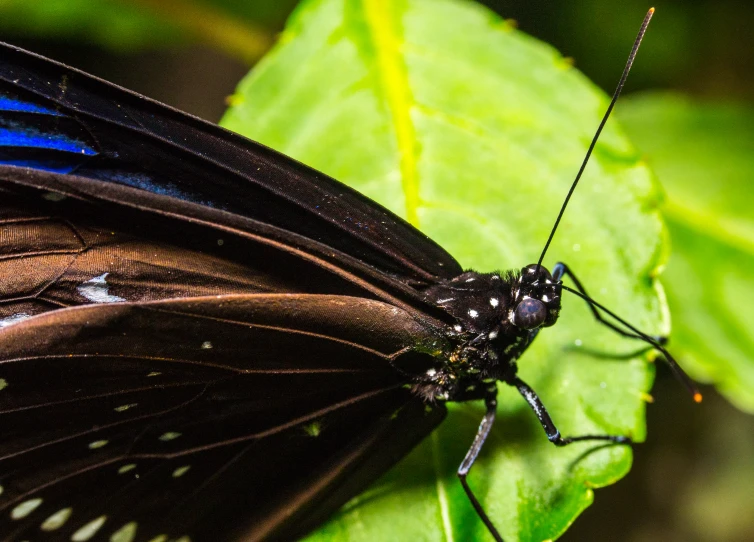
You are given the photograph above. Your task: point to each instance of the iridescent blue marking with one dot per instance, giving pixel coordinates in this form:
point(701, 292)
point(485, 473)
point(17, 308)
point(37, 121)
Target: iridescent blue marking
point(34, 139)
point(147, 183)
point(12, 104)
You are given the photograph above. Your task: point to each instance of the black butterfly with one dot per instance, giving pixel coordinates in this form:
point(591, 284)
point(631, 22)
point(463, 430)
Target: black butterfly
point(203, 338)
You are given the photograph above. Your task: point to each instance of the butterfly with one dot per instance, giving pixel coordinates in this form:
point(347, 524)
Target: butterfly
point(203, 339)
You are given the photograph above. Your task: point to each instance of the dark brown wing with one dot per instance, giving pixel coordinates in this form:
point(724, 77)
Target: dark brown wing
point(67, 240)
point(242, 416)
point(130, 405)
point(56, 118)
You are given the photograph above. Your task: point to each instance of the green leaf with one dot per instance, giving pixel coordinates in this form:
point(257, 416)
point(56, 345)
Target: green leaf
point(125, 25)
point(118, 25)
point(472, 130)
point(702, 153)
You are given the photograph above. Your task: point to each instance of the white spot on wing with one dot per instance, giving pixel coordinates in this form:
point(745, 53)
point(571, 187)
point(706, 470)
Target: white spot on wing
point(3, 383)
point(125, 468)
point(97, 444)
point(96, 290)
point(154, 373)
point(170, 435)
point(494, 301)
point(160, 538)
point(473, 313)
point(313, 429)
point(125, 534)
point(493, 335)
point(123, 408)
point(14, 319)
point(57, 520)
point(89, 530)
point(206, 345)
point(25, 508)
point(54, 196)
point(180, 471)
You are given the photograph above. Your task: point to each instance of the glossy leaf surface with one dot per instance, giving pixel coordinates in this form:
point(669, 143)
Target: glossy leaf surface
point(473, 131)
point(702, 155)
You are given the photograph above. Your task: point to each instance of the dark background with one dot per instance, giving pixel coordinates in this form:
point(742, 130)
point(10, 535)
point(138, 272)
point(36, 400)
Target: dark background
point(704, 48)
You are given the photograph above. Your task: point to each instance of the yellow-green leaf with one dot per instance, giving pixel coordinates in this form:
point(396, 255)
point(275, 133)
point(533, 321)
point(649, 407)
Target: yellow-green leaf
point(473, 131)
point(702, 153)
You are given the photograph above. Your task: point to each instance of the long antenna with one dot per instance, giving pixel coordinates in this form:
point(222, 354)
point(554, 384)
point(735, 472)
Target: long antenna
point(617, 92)
point(679, 373)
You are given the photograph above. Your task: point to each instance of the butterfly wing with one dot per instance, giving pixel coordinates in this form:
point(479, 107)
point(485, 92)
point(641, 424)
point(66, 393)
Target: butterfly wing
point(266, 404)
point(99, 246)
point(243, 416)
point(58, 119)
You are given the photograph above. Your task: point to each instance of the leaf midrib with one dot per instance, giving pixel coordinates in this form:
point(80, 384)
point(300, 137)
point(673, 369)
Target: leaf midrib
point(384, 26)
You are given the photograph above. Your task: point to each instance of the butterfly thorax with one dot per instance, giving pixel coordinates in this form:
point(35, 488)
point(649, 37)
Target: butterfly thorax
point(497, 316)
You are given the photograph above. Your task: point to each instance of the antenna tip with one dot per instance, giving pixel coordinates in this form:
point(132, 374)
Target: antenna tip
point(697, 397)
point(651, 10)
point(647, 398)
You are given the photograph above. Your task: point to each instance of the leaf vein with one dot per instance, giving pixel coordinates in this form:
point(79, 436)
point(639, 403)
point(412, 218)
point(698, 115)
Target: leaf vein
point(385, 32)
point(442, 494)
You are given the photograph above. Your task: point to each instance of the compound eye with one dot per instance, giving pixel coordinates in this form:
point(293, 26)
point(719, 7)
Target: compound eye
point(530, 313)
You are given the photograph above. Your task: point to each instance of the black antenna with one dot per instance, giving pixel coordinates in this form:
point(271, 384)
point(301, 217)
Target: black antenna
point(679, 373)
point(617, 92)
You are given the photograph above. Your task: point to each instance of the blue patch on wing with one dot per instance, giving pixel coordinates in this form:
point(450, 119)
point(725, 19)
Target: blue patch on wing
point(148, 183)
point(8, 103)
point(30, 138)
point(35, 135)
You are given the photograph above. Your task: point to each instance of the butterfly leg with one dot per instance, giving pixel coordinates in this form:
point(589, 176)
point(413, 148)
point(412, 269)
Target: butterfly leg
point(657, 342)
point(610, 355)
point(560, 270)
point(490, 402)
point(553, 434)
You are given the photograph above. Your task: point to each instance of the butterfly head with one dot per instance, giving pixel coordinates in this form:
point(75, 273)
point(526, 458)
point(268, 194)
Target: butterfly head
point(536, 298)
